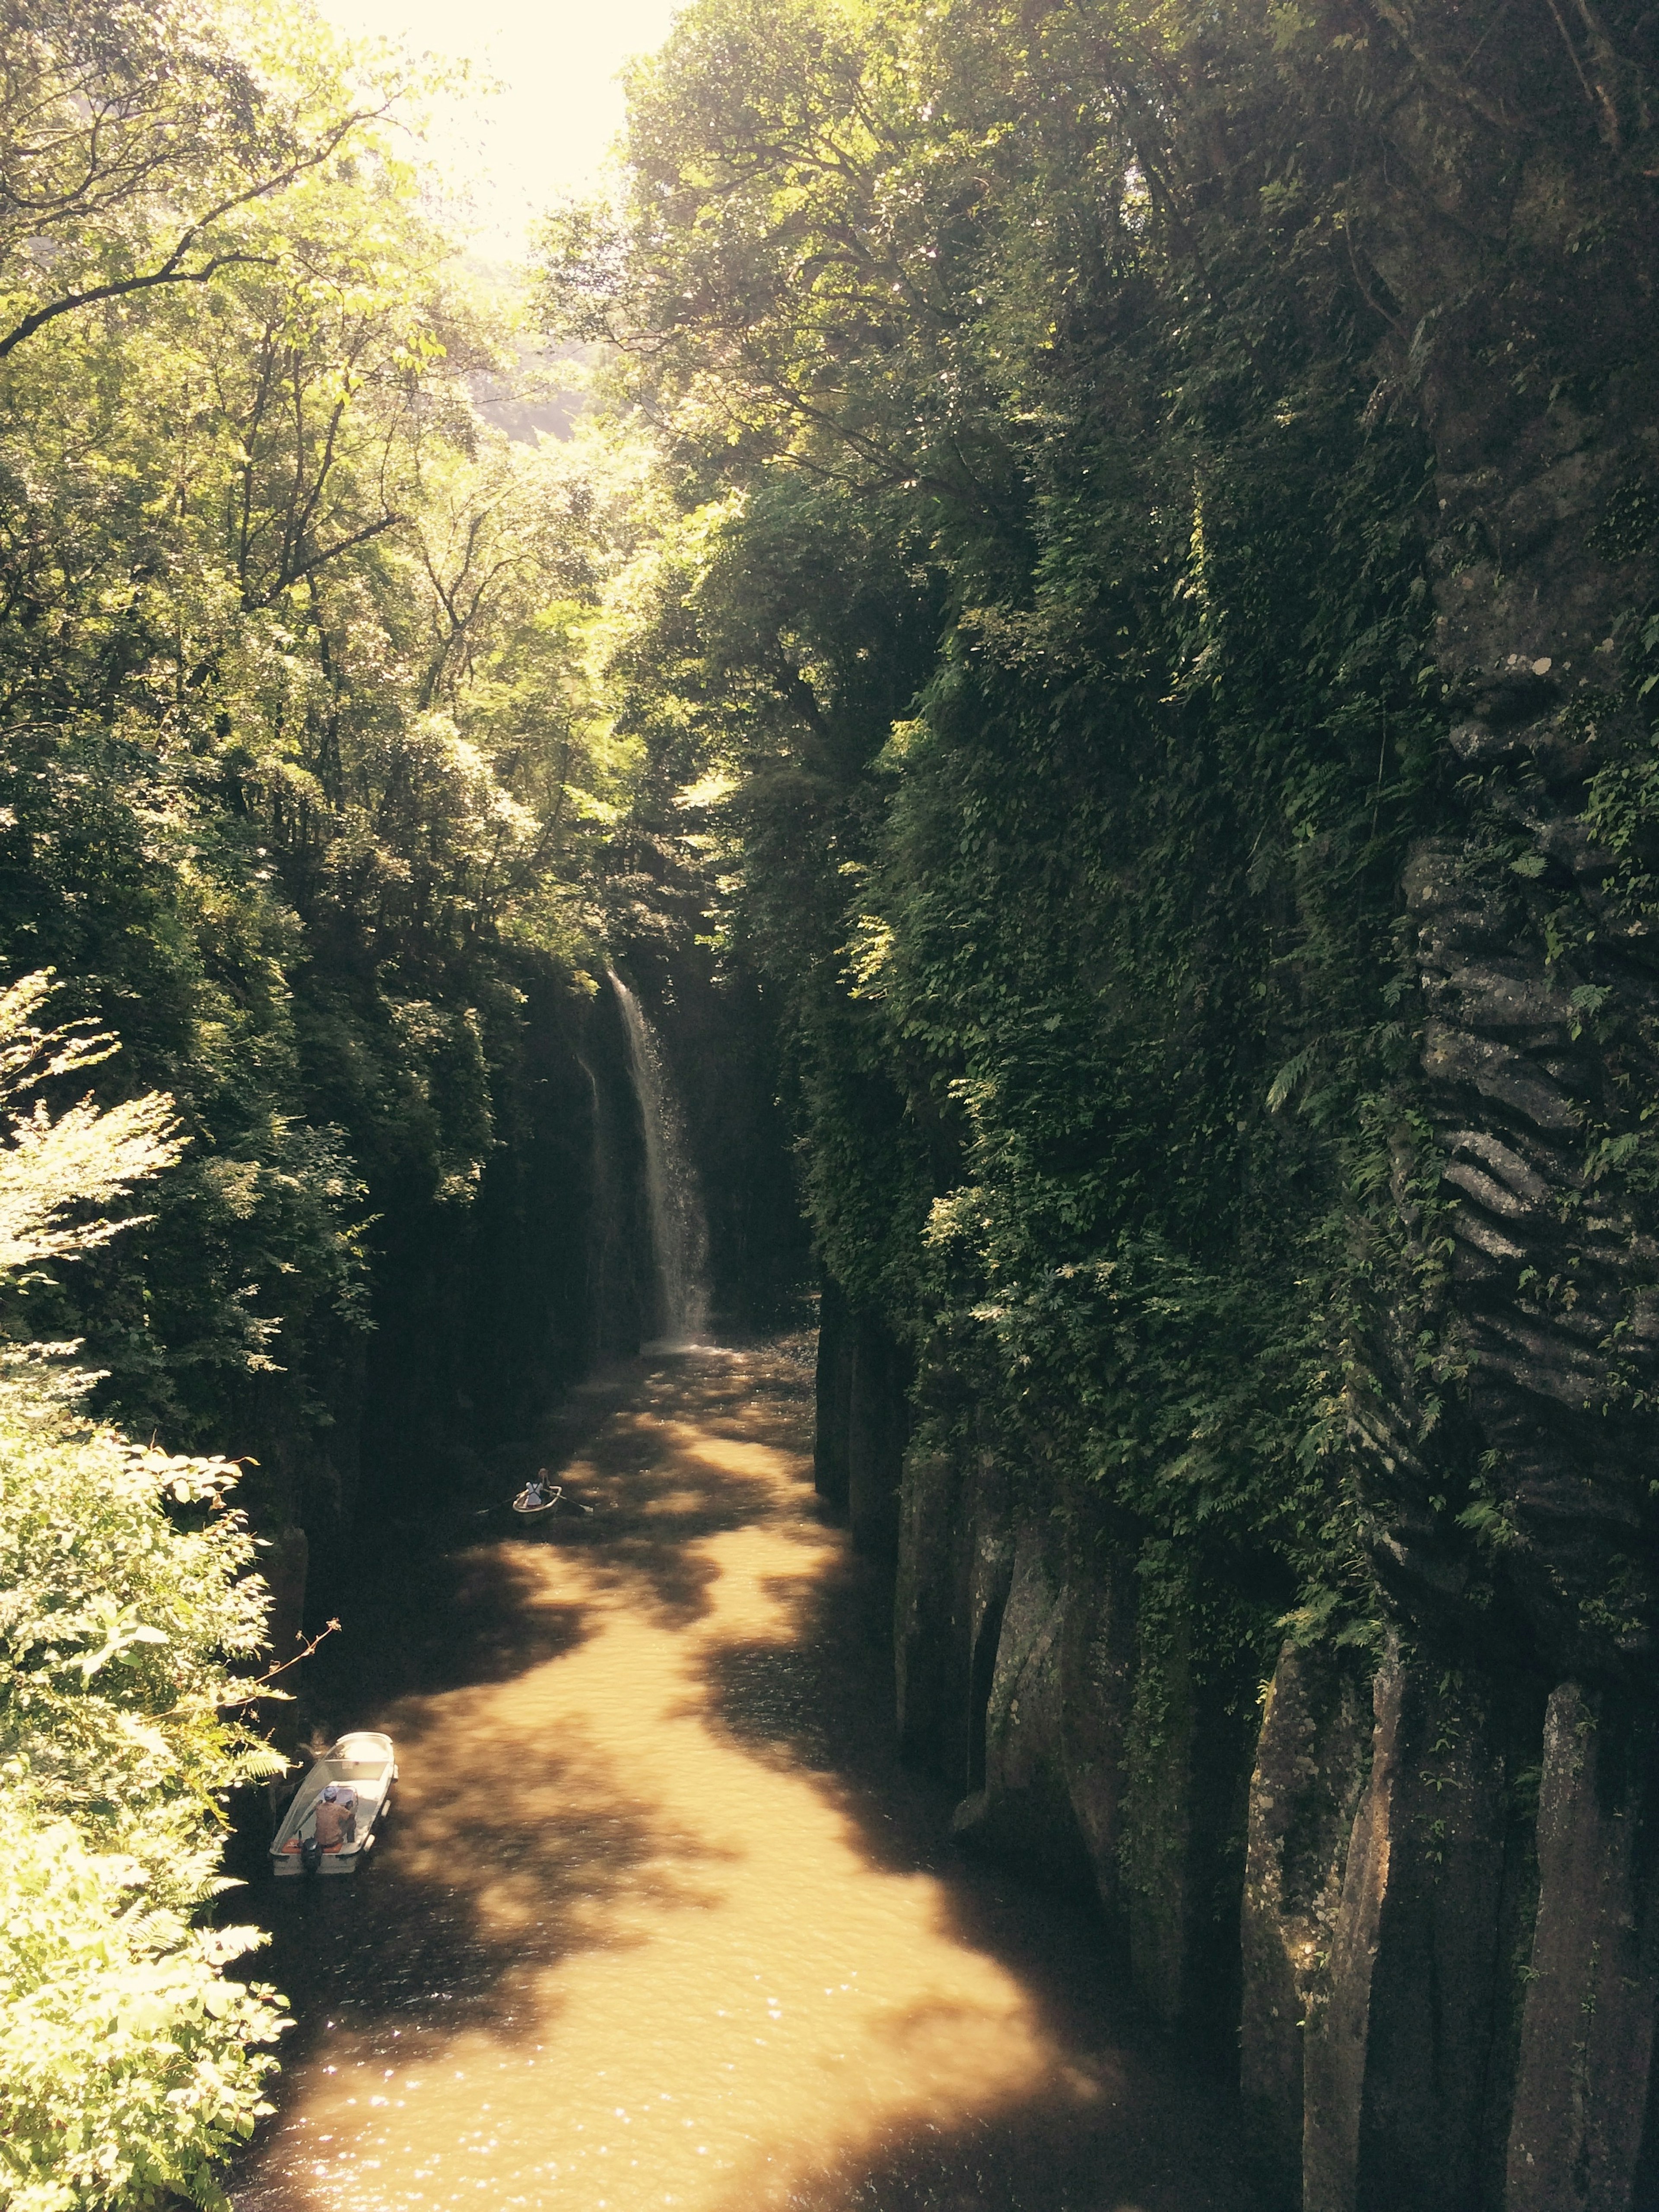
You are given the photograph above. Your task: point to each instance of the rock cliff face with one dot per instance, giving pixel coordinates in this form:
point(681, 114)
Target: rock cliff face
point(484, 1313)
point(1417, 1899)
point(1419, 1892)
point(863, 1420)
point(1526, 341)
point(716, 1034)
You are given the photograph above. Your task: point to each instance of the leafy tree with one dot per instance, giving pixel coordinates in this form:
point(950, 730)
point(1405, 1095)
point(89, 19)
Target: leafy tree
point(140, 141)
point(302, 775)
point(301, 763)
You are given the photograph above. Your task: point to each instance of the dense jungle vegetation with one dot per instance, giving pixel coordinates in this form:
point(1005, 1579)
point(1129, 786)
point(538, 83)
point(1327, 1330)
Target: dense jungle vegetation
point(996, 605)
point(1046, 640)
point(298, 761)
point(1048, 604)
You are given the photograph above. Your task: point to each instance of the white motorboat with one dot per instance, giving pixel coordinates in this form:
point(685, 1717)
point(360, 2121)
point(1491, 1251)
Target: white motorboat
point(365, 1761)
point(527, 1509)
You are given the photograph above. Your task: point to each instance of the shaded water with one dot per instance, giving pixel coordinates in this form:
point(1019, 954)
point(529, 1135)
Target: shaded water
point(657, 1919)
point(679, 1229)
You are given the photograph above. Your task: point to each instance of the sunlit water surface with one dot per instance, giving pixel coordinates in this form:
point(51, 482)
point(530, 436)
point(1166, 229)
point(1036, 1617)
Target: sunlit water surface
point(657, 1919)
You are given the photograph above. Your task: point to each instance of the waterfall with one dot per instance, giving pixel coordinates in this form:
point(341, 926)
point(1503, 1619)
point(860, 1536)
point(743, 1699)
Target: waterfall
point(679, 1229)
point(609, 1259)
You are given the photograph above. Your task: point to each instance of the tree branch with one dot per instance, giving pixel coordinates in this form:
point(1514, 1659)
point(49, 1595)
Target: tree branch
point(123, 289)
point(171, 271)
point(332, 553)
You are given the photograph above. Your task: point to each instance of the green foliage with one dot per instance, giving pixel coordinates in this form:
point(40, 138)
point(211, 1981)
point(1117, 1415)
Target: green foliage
point(120, 1620)
point(124, 2054)
point(55, 1166)
point(301, 769)
point(302, 782)
point(128, 2059)
point(1048, 602)
point(141, 144)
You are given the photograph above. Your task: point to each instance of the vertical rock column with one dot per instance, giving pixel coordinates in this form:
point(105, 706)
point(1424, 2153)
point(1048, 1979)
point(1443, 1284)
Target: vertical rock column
point(956, 1550)
point(834, 1394)
point(863, 1420)
point(1510, 220)
point(1584, 2137)
point(1313, 1762)
point(1405, 2089)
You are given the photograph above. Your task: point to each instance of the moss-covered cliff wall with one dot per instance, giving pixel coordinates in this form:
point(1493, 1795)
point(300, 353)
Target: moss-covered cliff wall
point(1159, 649)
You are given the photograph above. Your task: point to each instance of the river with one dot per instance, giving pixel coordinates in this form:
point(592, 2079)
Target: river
point(659, 1919)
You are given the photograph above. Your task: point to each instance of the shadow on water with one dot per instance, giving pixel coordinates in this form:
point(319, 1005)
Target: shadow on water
point(415, 1621)
point(660, 1913)
point(405, 1947)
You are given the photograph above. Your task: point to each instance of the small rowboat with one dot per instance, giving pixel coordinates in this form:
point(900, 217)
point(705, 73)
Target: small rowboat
point(548, 1499)
point(366, 1761)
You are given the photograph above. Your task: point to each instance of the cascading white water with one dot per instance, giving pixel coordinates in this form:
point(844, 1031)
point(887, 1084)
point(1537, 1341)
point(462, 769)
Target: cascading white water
point(679, 1228)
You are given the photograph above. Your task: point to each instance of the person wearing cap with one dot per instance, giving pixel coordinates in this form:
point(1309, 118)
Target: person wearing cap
point(335, 1823)
point(346, 1798)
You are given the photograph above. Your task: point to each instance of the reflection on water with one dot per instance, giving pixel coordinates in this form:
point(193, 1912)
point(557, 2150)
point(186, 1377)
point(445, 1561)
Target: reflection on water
point(657, 1921)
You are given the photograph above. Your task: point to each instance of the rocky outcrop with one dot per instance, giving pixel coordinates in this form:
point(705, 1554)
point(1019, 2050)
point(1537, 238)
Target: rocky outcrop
point(485, 1312)
point(716, 1030)
point(1407, 2062)
point(1084, 1750)
point(1019, 1771)
point(955, 1567)
point(1442, 1959)
point(1481, 2033)
point(833, 1390)
point(1313, 1761)
point(1522, 265)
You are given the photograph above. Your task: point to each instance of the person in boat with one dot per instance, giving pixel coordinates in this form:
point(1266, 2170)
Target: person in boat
point(334, 1824)
point(347, 1800)
point(534, 1491)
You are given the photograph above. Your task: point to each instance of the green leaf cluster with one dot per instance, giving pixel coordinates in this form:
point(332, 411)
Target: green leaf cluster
point(129, 1615)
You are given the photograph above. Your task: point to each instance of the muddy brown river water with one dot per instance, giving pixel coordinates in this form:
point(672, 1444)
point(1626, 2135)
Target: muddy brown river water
point(658, 1918)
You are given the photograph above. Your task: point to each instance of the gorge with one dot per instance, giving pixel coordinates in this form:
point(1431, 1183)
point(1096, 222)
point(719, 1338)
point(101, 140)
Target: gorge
point(1055, 789)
